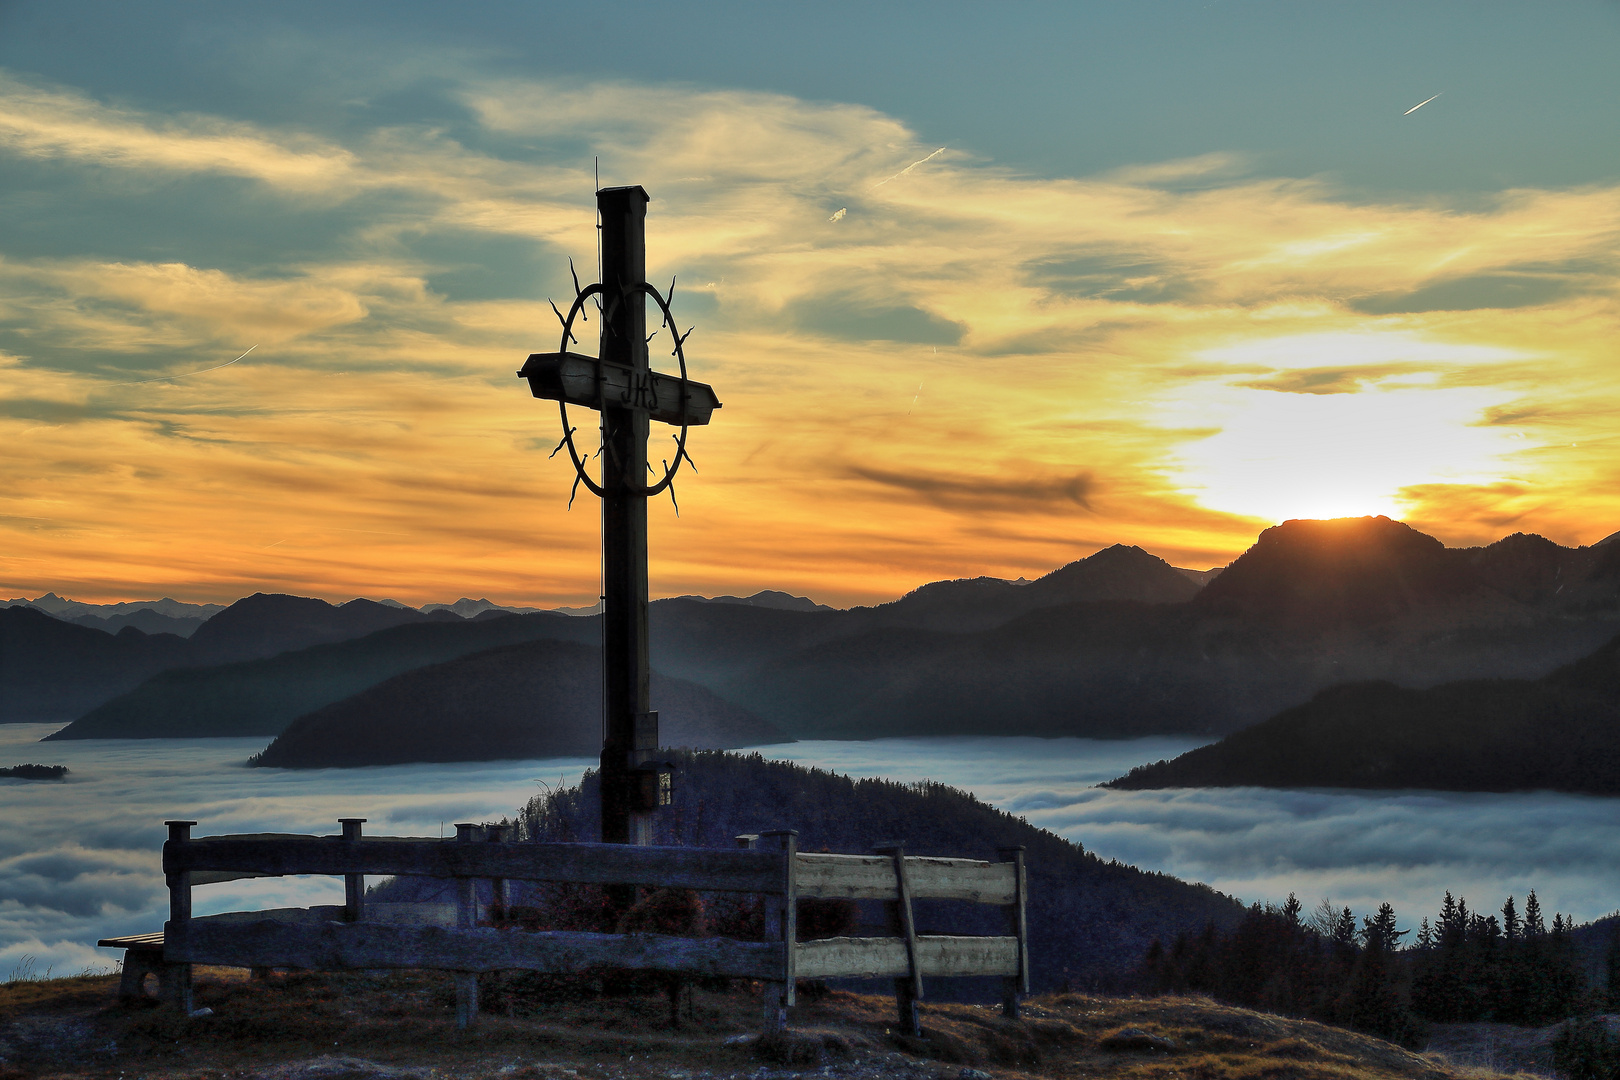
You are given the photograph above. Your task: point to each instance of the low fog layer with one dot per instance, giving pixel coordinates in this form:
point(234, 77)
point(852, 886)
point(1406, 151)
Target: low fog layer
point(1359, 848)
point(80, 861)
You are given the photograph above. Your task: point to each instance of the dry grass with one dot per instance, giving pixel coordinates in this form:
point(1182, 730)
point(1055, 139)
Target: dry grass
point(401, 1027)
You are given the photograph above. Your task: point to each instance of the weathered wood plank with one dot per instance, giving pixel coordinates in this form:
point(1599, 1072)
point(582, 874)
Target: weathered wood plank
point(668, 867)
point(340, 946)
point(216, 877)
point(831, 958)
point(871, 877)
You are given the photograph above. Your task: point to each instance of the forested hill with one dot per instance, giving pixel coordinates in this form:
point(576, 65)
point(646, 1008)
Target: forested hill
point(535, 699)
point(1090, 920)
point(261, 697)
point(1557, 733)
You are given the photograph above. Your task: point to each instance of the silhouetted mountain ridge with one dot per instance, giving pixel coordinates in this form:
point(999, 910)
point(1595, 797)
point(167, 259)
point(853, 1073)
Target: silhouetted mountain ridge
point(1348, 570)
point(51, 669)
point(1100, 647)
point(1560, 732)
point(531, 700)
point(261, 697)
point(267, 624)
point(967, 604)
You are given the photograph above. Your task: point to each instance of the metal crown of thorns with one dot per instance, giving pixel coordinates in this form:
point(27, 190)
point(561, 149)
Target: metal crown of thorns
point(679, 352)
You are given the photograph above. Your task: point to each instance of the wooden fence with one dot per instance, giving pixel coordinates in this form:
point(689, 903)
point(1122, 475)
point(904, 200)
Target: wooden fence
point(770, 865)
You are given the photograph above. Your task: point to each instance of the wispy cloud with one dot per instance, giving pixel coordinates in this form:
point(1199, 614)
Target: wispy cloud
point(999, 493)
point(1225, 348)
point(63, 124)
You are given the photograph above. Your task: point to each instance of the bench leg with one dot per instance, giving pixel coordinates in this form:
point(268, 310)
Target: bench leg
point(174, 981)
point(773, 1007)
point(1010, 986)
point(138, 964)
point(466, 998)
point(905, 1007)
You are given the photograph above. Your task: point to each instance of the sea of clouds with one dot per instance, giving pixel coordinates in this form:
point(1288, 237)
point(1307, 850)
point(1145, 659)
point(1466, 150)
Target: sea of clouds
point(79, 859)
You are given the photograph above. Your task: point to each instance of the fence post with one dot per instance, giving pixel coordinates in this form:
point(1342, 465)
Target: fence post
point(499, 899)
point(1017, 924)
point(909, 990)
point(782, 924)
point(174, 980)
point(466, 919)
point(354, 885)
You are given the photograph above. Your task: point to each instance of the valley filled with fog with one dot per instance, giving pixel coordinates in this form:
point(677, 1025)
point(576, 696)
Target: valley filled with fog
point(81, 859)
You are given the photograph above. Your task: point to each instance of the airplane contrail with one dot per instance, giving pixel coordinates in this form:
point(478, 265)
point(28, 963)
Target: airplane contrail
point(204, 371)
point(1420, 105)
point(908, 168)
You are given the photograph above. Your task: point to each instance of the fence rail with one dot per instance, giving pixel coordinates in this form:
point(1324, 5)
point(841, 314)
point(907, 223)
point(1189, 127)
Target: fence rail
point(770, 865)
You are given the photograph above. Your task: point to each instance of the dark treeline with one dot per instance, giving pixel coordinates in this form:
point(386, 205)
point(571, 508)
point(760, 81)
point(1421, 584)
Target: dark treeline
point(1378, 978)
point(35, 772)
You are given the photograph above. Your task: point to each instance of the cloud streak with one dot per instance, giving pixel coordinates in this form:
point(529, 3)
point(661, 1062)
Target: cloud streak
point(1226, 349)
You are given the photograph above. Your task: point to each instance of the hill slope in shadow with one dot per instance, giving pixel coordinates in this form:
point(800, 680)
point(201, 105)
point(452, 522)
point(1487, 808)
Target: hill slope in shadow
point(531, 700)
point(261, 697)
point(54, 670)
point(1557, 733)
point(1090, 920)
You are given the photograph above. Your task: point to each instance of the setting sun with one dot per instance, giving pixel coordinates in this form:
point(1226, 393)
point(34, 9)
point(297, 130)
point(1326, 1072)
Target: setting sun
point(1343, 425)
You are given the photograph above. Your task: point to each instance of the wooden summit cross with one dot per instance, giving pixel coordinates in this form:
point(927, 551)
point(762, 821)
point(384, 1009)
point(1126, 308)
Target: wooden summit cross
point(620, 384)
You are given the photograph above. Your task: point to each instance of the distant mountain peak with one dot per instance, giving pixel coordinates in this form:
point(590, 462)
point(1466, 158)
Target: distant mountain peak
point(766, 598)
point(265, 624)
point(1117, 572)
point(468, 608)
point(1356, 569)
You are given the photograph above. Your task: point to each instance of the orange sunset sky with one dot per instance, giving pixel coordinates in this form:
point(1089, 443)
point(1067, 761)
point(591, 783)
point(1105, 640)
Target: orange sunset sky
point(959, 327)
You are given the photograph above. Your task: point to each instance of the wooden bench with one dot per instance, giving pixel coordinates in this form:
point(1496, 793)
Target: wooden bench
point(344, 938)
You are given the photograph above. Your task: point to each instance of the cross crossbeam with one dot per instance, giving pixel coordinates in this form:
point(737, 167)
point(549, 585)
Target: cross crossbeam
point(588, 382)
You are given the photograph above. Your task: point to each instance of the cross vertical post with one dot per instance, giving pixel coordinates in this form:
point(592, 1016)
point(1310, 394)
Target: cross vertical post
point(625, 663)
point(619, 383)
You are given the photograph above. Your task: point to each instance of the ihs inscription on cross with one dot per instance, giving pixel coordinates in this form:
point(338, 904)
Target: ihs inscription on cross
point(620, 384)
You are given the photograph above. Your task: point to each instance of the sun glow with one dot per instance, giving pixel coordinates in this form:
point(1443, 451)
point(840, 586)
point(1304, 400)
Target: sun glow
point(1340, 442)
point(970, 371)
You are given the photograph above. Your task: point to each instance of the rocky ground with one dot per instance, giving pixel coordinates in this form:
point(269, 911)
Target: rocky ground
point(401, 1026)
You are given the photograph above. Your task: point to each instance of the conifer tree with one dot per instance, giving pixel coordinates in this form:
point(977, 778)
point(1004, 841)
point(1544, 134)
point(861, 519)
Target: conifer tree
point(1425, 937)
point(1533, 926)
point(1380, 929)
point(1291, 909)
point(1448, 915)
point(1510, 921)
point(1344, 929)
